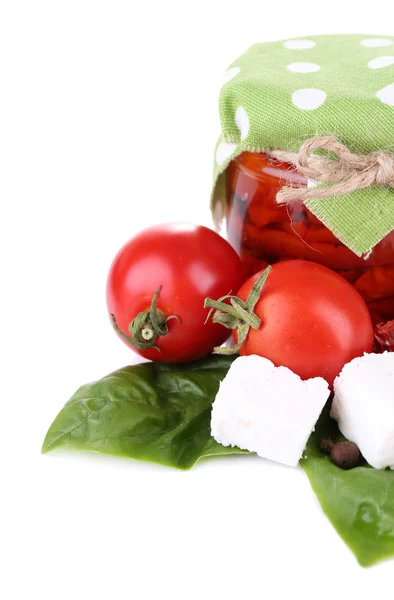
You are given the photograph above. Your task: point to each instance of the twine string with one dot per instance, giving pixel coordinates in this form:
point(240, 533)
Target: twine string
point(345, 172)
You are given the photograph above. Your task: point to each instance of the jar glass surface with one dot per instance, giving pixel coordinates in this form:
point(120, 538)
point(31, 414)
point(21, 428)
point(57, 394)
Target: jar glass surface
point(264, 232)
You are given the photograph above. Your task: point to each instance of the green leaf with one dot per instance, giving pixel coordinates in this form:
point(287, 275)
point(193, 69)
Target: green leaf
point(161, 413)
point(153, 411)
point(359, 503)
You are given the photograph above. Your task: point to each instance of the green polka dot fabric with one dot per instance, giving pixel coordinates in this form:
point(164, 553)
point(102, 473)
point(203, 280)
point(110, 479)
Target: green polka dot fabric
point(278, 94)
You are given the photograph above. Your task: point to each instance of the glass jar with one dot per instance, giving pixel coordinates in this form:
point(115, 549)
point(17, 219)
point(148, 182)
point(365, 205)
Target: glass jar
point(263, 232)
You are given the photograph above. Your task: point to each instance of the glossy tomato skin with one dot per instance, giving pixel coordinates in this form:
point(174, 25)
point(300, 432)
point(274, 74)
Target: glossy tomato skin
point(313, 320)
point(191, 262)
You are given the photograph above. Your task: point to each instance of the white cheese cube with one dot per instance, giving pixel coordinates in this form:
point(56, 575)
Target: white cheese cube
point(266, 409)
point(363, 405)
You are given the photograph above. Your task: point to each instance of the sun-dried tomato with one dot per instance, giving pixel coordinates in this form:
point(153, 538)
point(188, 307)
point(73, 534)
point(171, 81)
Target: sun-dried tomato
point(384, 336)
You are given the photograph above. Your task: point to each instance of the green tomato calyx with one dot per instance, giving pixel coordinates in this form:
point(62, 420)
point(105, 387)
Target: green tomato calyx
point(237, 315)
point(146, 327)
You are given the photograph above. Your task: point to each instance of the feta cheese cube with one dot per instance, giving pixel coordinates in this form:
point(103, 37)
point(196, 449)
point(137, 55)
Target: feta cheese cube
point(266, 409)
point(363, 405)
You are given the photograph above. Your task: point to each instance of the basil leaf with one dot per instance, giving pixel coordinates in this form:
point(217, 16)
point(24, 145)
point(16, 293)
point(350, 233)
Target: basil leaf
point(161, 413)
point(359, 502)
point(153, 411)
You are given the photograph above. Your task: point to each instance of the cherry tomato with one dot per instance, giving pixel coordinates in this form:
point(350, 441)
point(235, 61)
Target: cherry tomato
point(312, 320)
point(177, 266)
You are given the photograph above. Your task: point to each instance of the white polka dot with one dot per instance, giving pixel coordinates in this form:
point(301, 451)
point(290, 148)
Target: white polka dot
point(242, 121)
point(230, 74)
point(303, 67)
point(382, 61)
point(308, 98)
point(386, 95)
point(376, 43)
point(224, 151)
point(299, 44)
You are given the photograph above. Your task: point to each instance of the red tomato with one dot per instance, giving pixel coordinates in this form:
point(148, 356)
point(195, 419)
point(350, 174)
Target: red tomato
point(190, 262)
point(312, 320)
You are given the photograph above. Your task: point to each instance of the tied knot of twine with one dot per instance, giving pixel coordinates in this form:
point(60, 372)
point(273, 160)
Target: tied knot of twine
point(345, 172)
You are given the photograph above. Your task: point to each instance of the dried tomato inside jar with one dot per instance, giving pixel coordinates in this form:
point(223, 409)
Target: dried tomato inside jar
point(264, 232)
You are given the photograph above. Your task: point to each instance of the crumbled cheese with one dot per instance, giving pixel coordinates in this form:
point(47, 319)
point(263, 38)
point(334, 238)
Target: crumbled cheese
point(363, 405)
point(266, 409)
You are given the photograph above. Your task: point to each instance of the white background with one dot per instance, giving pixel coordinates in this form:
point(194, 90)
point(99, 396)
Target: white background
point(108, 123)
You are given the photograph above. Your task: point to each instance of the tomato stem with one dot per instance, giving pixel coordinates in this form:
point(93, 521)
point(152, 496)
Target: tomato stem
point(147, 326)
point(147, 334)
point(238, 315)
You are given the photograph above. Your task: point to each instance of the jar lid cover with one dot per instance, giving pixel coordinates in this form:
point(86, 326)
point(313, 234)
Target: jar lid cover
point(279, 94)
